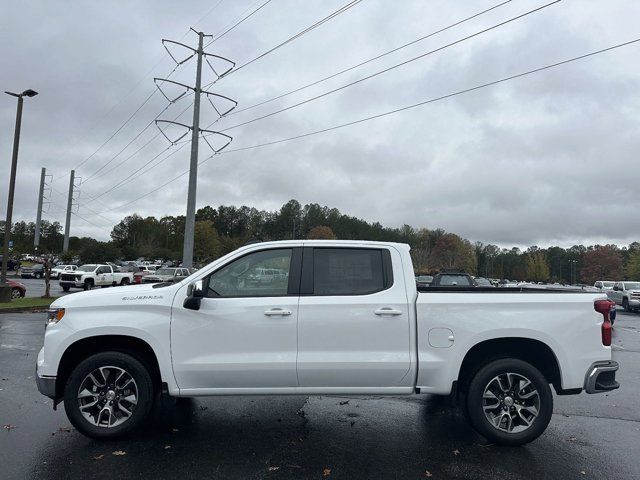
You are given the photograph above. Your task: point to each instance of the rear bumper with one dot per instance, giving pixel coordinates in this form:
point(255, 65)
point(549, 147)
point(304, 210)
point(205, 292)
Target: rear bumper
point(601, 377)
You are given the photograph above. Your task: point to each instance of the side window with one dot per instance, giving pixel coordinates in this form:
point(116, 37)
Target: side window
point(259, 274)
point(350, 271)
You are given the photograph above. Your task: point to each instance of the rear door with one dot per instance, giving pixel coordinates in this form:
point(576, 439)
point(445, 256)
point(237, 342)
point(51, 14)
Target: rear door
point(353, 326)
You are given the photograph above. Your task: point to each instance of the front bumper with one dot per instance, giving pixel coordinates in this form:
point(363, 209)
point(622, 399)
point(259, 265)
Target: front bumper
point(601, 377)
point(69, 283)
point(46, 386)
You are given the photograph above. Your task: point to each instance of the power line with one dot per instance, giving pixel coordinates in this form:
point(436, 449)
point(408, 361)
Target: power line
point(227, 30)
point(390, 112)
point(388, 69)
point(432, 100)
point(323, 20)
point(364, 62)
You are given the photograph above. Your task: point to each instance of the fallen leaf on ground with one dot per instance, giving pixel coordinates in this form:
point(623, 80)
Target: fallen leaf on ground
point(572, 439)
point(65, 429)
point(167, 447)
point(98, 457)
point(582, 472)
point(273, 468)
point(456, 452)
point(119, 453)
point(8, 427)
point(175, 430)
point(345, 402)
point(326, 472)
point(428, 474)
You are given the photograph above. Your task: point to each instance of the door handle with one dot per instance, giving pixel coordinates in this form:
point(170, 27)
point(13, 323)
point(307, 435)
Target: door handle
point(387, 311)
point(277, 311)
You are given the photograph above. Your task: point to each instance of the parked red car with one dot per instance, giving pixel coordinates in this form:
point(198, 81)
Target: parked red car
point(18, 290)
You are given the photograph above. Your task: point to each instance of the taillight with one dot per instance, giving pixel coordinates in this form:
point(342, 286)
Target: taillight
point(607, 309)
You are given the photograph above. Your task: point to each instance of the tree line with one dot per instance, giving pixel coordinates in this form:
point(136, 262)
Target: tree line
point(223, 229)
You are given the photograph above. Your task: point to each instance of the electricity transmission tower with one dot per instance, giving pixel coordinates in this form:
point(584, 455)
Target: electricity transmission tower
point(196, 132)
point(70, 203)
point(45, 189)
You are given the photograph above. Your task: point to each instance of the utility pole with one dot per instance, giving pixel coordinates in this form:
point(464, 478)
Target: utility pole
point(36, 238)
point(190, 220)
point(12, 181)
point(200, 54)
point(67, 226)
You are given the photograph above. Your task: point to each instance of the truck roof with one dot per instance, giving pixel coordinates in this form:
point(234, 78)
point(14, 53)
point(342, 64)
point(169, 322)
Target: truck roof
point(337, 243)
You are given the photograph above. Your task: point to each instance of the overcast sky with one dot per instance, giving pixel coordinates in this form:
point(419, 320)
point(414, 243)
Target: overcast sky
point(550, 158)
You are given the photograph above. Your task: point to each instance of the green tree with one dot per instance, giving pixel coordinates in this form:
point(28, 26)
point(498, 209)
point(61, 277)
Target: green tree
point(537, 267)
point(633, 265)
point(207, 242)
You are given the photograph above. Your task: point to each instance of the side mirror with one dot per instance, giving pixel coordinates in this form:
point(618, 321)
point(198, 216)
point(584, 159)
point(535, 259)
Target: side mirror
point(195, 293)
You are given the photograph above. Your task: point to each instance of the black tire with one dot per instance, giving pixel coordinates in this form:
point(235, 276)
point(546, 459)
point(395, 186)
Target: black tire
point(141, 411)
point(475, 402)
point(66, 288)
point(37, 275)
point(124, 282)
point(16, 293)
point(625, 305)
point(88, 284)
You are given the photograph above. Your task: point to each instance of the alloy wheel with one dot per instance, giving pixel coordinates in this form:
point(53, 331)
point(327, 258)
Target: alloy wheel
point(107, 396)
point(511, 403)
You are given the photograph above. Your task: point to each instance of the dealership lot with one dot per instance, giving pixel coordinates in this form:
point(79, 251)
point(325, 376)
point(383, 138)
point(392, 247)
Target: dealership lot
point(590, 436)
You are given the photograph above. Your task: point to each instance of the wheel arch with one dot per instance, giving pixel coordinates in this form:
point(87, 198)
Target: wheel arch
point(85, 347)
point(533, 351)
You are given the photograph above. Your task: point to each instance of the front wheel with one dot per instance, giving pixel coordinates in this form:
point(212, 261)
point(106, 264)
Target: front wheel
point(108, 395)
point(16, 293)
point(66, 288)
point(37, 275)
point(509, 402)
point(88, 284)
point(625, 305)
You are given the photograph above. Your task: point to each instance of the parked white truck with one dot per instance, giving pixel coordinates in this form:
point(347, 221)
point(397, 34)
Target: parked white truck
point(94, 275)
point(345, 317)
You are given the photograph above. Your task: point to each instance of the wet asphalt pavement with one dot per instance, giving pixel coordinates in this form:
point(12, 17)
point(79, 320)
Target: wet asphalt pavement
point(590, 436)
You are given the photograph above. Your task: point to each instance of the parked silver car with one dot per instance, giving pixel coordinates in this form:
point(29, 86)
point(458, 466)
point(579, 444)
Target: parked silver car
point(166, 275)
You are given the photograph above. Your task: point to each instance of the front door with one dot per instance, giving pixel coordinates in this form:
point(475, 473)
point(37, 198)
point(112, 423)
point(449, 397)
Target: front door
point(244, 334)
point(353, 327)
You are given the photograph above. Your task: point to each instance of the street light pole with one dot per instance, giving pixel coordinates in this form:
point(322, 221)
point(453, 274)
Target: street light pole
point(12, 180)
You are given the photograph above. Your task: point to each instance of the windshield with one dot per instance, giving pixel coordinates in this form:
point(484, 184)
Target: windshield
point(87, 268)
point(166, 271)
point(483, 282)
point(632, 285)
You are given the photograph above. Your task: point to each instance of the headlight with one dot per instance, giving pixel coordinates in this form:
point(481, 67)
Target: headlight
point(54, 315)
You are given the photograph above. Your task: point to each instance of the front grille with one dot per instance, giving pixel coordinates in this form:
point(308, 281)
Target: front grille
point(68, 278)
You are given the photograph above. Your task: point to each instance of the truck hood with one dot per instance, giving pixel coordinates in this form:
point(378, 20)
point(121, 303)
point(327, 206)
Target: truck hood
point(143, 294)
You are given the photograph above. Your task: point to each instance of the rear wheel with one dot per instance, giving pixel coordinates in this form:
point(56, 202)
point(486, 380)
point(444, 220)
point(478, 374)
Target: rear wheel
point(108, 395)
point(125, 281)
point(16, 293)
point(509, 402)
point(88, 284)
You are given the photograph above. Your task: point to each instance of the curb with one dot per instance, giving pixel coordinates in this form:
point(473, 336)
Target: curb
point(23, 310)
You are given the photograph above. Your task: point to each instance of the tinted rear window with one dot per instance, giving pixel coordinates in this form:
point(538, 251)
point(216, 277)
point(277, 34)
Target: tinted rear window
point(347, 271)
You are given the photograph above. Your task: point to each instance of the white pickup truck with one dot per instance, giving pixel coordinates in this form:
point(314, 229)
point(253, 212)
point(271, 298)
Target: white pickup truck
point(345, 317)
point(94, 275)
